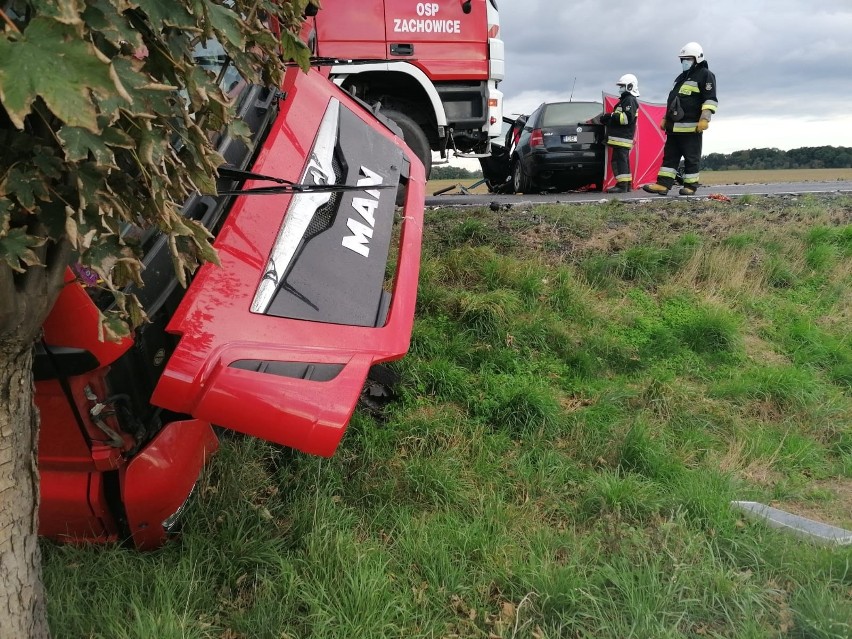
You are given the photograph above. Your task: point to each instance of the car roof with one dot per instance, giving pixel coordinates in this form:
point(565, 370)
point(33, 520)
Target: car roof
point(548, 103)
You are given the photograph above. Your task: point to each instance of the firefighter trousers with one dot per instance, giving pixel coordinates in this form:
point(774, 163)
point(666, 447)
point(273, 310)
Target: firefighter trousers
point(681, 145)
point(621, 163)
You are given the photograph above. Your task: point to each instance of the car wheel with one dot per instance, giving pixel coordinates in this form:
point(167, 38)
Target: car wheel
point(520, 181)
point(413, 136)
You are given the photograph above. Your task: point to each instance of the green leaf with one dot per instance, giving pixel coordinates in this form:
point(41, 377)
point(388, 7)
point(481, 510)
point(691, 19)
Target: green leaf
point(26, 185)
point(104, 255)
point(165, 13)
point(79, 234)
point(200, 168)
point(148, 98)
point(151, 147)
point(50, 60)
point(91, 185)
point(113, 327)
point(16, 249)
point(47, 160)
point(117, 138)
point(136, 314)
point(294, 49)
point(199, 87)
point(226, 23)
point(181, 265)
point(240, 130)
point(66, 12)
point(106, 19)
point(201, 236)
point(78, 143)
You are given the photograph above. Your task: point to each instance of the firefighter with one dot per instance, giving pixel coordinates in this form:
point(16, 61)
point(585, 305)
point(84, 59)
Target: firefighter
point(620, 131)
point(691, 104)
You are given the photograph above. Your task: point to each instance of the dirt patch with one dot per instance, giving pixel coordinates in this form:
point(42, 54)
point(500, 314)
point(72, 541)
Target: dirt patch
point(759, 350)
point(612, 240)
point(537, 238)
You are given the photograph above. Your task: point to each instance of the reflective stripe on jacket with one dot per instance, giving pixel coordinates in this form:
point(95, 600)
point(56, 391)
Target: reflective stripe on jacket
point(621, 128)
point(696, 90)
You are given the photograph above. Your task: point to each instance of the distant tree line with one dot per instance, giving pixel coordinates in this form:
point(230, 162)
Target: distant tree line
point(809, 157)
point(448, 172)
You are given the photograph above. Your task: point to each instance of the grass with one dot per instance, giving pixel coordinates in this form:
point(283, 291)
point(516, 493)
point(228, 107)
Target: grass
point(587, 389)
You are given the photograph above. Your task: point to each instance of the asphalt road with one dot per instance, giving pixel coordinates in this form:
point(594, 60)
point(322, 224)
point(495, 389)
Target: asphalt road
point(455, 199)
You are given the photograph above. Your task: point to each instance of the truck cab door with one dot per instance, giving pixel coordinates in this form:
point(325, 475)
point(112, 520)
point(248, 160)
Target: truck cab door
point(351, 30)
point(440, 37)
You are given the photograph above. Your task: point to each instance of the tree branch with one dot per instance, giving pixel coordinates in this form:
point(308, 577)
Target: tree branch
point(8, 21)
point(42, 284)
point(58, 260)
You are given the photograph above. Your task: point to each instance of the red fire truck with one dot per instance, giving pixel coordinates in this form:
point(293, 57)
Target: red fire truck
point(431, 67)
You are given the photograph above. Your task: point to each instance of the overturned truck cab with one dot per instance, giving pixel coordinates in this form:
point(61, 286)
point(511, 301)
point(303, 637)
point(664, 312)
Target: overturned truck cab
point(317, 284)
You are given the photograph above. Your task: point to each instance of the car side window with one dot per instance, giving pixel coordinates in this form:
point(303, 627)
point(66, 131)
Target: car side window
point(533, 117)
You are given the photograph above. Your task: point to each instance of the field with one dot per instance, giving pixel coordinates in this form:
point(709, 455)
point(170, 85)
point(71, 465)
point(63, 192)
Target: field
point(708, 178)
point(588, 388)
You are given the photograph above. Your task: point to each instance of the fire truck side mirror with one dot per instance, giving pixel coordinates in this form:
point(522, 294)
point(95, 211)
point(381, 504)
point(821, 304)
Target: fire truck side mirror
point(466, 6)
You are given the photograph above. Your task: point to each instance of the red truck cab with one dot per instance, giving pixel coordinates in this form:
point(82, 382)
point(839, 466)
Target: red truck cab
point(316, 286)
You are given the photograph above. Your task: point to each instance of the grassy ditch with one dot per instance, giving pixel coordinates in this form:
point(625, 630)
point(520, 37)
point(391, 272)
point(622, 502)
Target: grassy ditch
point(588, 388)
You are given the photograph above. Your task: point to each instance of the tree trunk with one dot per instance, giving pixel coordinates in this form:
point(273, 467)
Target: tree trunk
point(21, 588)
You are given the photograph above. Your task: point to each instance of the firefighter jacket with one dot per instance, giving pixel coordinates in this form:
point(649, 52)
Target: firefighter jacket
point(694, 92)
point(621, 123)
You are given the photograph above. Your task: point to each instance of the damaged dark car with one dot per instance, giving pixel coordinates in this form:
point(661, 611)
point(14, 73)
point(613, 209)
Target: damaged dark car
point(552, 149)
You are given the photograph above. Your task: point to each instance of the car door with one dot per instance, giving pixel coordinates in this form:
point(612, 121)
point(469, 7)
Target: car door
point(522, 147)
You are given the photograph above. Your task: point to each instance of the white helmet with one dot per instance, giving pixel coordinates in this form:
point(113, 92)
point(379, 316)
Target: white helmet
point(630, 84)
point(692, 50)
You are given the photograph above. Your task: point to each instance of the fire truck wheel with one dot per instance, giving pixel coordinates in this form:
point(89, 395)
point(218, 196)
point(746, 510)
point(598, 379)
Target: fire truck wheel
point(414, 137)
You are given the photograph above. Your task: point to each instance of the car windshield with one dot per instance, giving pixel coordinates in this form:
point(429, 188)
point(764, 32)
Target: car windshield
point(563, 113)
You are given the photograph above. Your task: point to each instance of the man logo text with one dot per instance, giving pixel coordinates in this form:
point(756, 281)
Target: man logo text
point(366, 207)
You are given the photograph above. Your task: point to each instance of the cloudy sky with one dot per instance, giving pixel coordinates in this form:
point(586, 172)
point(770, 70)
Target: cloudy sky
point(783, 67)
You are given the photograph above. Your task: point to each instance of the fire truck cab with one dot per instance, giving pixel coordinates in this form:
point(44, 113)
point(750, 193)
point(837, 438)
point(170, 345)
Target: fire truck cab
point(431, 67)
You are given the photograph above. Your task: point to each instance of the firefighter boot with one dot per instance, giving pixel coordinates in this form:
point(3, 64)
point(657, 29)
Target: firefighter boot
point(657, 188)
point(620, 187)
point(689, 189)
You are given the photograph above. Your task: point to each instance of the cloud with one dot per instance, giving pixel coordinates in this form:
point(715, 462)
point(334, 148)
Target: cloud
point(781, 61)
